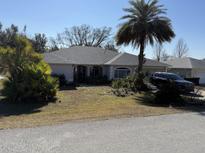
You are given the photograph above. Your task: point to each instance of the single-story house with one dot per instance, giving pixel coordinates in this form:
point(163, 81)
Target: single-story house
point(188, 68)
point(77, 63)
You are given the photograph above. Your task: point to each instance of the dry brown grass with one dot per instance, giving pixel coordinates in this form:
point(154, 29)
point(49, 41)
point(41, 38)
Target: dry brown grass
point(82, 103)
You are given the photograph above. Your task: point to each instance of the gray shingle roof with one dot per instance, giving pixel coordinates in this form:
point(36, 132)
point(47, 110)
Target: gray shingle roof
point(95, 56)
point(80, 55)
point(187, 63)
point(127, 59)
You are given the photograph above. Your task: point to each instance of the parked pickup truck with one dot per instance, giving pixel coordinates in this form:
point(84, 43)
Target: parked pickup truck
point(160, 78)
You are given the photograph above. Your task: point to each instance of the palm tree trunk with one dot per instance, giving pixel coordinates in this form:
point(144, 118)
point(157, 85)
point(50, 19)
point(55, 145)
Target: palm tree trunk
point(141, 58)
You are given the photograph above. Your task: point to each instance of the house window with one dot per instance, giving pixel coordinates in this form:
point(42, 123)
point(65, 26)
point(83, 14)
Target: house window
point(121, 73)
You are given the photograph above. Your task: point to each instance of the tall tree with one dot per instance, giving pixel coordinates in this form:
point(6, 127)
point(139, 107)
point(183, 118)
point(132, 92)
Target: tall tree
point(145, 23)
point(39, 42)
point(83, 35)
point(181, 49)
point(8, 35)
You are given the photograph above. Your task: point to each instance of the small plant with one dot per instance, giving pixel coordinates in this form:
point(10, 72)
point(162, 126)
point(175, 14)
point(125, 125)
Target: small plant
point(130, 84)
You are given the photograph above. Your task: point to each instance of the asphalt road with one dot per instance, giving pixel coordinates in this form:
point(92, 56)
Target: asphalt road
point(170, 133)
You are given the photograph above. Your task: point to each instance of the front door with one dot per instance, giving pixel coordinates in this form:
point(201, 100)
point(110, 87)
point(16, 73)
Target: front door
point(81, 74)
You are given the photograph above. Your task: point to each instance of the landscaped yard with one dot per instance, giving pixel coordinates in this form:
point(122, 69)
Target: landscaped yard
point(79, 104)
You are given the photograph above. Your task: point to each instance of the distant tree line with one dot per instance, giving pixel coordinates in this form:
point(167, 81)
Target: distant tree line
point(8, 38)
point(83, 35)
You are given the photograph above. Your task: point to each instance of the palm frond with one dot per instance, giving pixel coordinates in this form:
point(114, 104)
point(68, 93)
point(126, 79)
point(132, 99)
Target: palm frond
point(145, 21)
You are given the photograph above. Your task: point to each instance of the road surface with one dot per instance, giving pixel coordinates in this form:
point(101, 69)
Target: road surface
point(168, 133)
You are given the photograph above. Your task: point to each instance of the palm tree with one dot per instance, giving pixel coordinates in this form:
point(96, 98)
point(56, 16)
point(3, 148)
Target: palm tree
point(145, 24)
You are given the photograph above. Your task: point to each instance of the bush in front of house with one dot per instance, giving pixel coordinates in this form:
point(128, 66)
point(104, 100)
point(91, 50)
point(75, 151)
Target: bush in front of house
point(61, 78)
point(131, 83)
point(30, 85)
point(29, 76)
point(127, 83)
point(168, 94)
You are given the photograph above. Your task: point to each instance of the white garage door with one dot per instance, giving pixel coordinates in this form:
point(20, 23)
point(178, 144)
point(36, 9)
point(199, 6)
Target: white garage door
point(201, 75)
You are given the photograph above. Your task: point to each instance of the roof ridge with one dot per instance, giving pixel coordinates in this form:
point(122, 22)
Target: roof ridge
point(103, 50)
point(114, 58)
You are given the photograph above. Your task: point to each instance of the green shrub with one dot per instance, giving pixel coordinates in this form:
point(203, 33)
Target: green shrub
point(32, 84)
point(131, 83)
point(29, 77)
point(168, 93)
point(61, 78)
point(139, 84)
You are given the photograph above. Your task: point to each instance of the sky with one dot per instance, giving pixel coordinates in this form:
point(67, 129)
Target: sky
point(53, 16)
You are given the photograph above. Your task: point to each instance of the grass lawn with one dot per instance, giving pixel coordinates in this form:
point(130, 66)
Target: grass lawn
point(90, 103)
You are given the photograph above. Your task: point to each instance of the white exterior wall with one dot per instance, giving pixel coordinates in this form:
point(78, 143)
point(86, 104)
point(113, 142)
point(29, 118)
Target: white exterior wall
point(65, 69)
point(109, 71)
point(199, 73)
point(148, 70)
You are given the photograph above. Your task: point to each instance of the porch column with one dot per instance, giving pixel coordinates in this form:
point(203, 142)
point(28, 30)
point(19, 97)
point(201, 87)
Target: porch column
point(111, 73)
point(88, 71)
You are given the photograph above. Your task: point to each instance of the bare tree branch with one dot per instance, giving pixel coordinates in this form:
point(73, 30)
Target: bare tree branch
point(160, 53)
point(181, 49)
point(84, 35)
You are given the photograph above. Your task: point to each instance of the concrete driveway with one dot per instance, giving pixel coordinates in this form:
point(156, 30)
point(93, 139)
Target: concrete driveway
point(169, 133)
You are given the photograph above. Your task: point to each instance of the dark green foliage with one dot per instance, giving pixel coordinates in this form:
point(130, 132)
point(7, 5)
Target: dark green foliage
point(30, 85)
point(61, 78)
point(139, 84)
point(127, 83)
point(7, 36)
point(29, 76)
point(168, 94)
point(39, 43)
point(145, 24)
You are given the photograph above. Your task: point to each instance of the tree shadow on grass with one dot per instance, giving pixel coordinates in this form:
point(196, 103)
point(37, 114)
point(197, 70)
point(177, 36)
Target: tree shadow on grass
point(192, 104)
point(15, 109)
